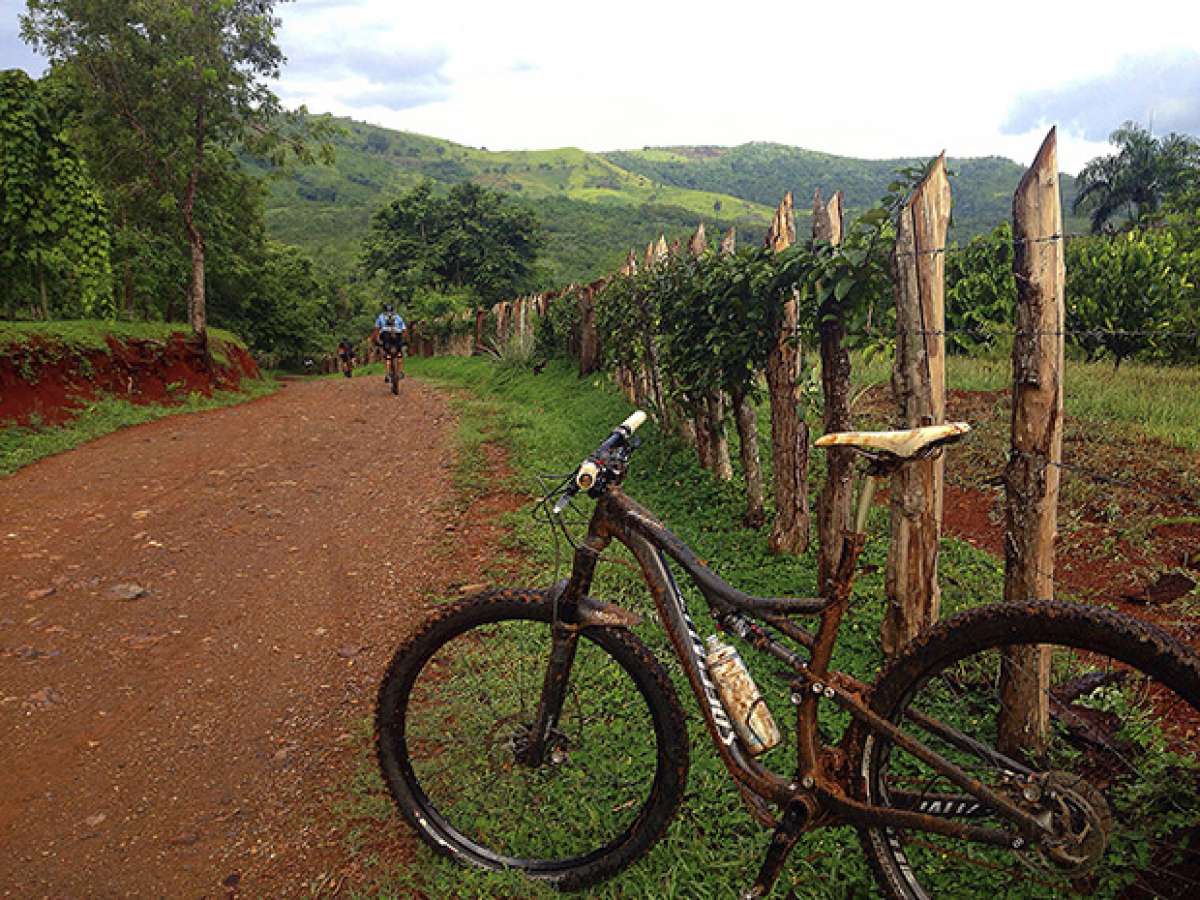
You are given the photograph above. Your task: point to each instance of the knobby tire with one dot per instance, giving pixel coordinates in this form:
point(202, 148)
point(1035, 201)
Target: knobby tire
point(458, 673)
point(1124, 701)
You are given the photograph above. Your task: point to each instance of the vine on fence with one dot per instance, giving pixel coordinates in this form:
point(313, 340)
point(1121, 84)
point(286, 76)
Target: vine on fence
point(688, 332)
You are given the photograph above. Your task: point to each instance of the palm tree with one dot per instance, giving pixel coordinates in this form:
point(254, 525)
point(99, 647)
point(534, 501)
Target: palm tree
point(1138, 177)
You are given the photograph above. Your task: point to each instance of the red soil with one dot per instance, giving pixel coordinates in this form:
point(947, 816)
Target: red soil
point(197, 739)
point(51, 383)
point(1129, 510)
point(1129, 507)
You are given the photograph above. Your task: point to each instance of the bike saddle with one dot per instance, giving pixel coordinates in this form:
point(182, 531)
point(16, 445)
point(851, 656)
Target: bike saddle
point(907, 444)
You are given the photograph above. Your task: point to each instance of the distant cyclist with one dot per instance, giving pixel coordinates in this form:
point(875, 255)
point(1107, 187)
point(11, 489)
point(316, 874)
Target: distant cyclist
point(389, 333)
point(345, 352)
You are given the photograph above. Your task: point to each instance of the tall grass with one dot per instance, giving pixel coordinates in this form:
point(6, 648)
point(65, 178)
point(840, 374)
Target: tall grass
point(1160, 402)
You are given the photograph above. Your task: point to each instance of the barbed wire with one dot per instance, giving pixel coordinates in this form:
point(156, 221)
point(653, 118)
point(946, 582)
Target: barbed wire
point(997, 331)
point(1108, 480)
point(1086, 472)
point(947, 249)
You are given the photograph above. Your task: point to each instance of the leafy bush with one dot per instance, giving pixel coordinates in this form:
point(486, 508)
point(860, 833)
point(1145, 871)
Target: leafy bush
point(981, 291)
point(558, 329)
point(1122, 289)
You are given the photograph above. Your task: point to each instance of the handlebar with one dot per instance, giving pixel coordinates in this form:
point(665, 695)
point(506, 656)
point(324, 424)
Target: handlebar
point(592, 469)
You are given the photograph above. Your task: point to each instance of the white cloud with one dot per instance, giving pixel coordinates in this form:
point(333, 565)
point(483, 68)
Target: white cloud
point(874, 78)
point(1162, 90)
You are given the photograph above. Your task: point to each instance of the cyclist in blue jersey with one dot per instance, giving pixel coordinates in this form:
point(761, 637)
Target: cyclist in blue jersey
point(390, 332)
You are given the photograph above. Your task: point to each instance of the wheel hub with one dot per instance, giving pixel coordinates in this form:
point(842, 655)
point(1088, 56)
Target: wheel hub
point(1078, 820)
point(510, 735)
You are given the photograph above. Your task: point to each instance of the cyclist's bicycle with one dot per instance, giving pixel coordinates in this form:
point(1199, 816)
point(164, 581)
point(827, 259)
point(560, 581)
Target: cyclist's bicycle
point(533, 730)
point(391, 353)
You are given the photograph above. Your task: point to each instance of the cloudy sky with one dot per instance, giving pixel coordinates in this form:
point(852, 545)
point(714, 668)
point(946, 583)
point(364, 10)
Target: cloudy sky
point(860, 78)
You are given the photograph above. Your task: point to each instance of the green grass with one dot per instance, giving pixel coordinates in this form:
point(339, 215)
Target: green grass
point(593, 210)
point(1159, 402)
point(20, 446)
point(549, 422)
point(75, 336)
point(90, 334)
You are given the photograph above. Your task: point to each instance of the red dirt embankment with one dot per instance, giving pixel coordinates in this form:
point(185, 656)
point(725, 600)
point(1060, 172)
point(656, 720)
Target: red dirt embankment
point(50, 382)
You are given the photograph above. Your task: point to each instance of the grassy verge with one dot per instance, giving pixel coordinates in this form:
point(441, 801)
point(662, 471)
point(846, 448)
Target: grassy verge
point(548, 422)
point(20, 446)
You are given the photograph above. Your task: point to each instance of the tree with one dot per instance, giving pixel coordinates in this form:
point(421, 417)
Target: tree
point(173, 85)
point(473, 238)
point(54, 243)
point(281, 309)
point(1143, 172)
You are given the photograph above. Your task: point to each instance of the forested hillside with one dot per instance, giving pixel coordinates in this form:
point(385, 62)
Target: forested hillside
point(595, 206)
point(763, 172)
point(592, 209)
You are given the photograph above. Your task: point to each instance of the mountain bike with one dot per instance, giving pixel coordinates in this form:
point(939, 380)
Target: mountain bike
point(394, 373)
point(533, 730)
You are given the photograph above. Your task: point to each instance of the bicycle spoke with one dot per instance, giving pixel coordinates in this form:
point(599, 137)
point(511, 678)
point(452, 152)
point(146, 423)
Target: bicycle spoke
point(491, 690)
point(1107, 728)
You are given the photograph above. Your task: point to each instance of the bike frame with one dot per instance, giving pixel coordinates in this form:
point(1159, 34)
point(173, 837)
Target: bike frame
point(819, 794)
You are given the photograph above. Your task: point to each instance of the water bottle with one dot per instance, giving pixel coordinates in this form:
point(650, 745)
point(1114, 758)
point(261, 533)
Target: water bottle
point(739, 695)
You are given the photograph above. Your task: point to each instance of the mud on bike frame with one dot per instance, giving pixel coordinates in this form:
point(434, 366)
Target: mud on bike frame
point(818, 794)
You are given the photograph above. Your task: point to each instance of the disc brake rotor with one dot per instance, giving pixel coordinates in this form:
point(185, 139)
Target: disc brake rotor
point(1079, 820)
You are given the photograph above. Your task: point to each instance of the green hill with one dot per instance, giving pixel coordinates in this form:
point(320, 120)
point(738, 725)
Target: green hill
point(596, 206)
point(593, 210)
point(983, 187)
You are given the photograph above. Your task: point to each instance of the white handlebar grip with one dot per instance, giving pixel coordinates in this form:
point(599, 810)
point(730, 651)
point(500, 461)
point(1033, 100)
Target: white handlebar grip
point(634, 421)
point(586, 476)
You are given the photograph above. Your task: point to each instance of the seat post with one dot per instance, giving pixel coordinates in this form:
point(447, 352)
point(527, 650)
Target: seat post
point(866, 493)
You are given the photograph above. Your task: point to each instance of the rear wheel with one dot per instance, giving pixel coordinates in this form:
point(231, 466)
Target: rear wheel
point(1116, 776)
point(392, 373)
point(454, 714)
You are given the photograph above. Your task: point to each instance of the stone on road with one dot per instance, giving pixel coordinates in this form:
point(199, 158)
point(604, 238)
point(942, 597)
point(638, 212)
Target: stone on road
point(276, 551)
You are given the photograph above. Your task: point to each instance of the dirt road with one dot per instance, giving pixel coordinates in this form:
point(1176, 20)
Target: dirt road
point(193, 617)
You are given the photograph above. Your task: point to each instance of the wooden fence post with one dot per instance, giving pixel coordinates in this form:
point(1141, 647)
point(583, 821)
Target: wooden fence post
point(707, 423)
point(789, 432)
point(630, 265)
point(480, 320)
point(919, 384)
point(589, 344)
point(525, 317)
point(465, 339)
point(1032, 474)
point(652, 376)
point(746, 418)
point(834, 504)
point(729, 242)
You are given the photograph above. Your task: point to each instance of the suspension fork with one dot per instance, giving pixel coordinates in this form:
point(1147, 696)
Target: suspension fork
point(564, 641)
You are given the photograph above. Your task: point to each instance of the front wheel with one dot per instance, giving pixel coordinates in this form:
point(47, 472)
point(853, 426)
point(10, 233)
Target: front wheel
point(1113, 770)
point(454, 715)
